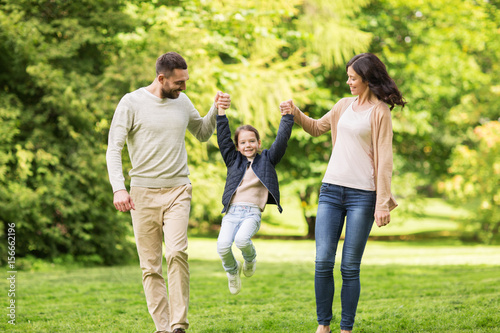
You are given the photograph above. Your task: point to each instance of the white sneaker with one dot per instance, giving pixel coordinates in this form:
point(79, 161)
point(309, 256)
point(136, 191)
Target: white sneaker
point(235, 280)
point(249, 267)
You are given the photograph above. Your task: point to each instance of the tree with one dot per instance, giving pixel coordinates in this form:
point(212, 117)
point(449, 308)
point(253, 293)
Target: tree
point(53, 183)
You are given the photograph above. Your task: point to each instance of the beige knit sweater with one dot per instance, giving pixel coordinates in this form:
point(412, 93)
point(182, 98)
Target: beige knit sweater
point(381, 125)
point(154, 130)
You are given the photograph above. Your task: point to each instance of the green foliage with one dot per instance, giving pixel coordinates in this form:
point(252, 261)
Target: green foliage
point(475, 179)
point(444, 58)
point(53, 182)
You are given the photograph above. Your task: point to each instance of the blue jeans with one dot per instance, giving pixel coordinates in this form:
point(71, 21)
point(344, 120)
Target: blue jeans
point(357, 208)
point(239, 225)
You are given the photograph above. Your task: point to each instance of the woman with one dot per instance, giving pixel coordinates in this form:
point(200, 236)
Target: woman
point(356, 188)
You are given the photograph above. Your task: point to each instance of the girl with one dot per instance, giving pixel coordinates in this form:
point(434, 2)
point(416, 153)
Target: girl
point(357, 183)
point(251, 183)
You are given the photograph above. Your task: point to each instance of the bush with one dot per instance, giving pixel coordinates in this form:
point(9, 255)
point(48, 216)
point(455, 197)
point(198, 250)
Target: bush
point(475, 175)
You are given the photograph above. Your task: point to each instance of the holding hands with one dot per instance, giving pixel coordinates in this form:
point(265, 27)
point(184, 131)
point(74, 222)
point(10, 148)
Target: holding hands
point(223, 102)
point(287, 107)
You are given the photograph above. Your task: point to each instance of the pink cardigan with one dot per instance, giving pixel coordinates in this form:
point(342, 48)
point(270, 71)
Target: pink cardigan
point(381, 125)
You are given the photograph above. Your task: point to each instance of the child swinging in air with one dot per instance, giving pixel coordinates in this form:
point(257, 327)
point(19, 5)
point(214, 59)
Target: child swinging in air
point(251, 183)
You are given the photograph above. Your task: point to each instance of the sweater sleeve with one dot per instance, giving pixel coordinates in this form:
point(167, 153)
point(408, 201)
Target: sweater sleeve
point(202, 127)
point(315, 127)
point(383, 144)
point(118, 132)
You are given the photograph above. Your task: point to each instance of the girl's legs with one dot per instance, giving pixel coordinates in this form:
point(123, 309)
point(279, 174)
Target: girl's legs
point(239, 225)
point(229, 228)
point(248, 228)
point(243, 239)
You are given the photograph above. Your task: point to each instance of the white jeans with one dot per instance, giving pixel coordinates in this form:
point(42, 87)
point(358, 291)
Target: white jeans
point(239, 225)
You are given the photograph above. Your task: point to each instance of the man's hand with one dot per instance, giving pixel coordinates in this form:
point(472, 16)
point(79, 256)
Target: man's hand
point(122, 201)
point(286, 107)
point(223, 102)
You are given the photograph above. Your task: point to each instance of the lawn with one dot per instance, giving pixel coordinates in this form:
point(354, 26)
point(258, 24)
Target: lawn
point(406, 287)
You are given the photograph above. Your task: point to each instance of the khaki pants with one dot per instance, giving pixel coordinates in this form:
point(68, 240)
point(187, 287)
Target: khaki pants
point(163, 212)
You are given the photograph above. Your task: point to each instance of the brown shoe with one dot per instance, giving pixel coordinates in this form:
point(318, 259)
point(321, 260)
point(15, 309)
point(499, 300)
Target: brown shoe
point(179, 330)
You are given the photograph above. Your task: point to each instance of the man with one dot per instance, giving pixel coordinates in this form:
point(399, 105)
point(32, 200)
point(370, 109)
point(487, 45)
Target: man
point(153, 121)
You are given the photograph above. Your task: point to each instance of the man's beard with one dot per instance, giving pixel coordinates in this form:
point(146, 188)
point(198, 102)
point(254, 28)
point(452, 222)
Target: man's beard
point(172, 94)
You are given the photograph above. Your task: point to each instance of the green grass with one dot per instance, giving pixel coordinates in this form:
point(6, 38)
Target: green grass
point(406, 287)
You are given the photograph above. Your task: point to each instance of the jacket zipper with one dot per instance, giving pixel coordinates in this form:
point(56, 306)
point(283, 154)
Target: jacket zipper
point(241, 180)
point(277, 203)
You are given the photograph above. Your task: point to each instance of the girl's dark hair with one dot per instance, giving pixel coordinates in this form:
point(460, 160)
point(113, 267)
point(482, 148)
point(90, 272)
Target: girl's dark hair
point(372, 70)
point(166, 63)
point(245, 128)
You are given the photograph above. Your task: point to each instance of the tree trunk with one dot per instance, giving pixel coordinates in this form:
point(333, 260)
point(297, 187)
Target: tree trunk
point(311, 226)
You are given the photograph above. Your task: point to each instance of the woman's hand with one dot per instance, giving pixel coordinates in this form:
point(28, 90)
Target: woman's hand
point(382, 218)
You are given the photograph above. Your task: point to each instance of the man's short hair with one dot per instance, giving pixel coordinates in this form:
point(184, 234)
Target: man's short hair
point(166, 63)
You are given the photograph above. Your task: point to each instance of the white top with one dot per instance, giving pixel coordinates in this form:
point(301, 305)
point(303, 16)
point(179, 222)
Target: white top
point(351, 163)
point(154, 130)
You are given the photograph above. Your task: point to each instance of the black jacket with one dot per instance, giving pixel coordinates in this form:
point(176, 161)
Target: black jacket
point(263, 164)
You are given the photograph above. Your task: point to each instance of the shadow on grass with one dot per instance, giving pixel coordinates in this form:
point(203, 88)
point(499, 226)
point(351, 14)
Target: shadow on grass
point(429, 238)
